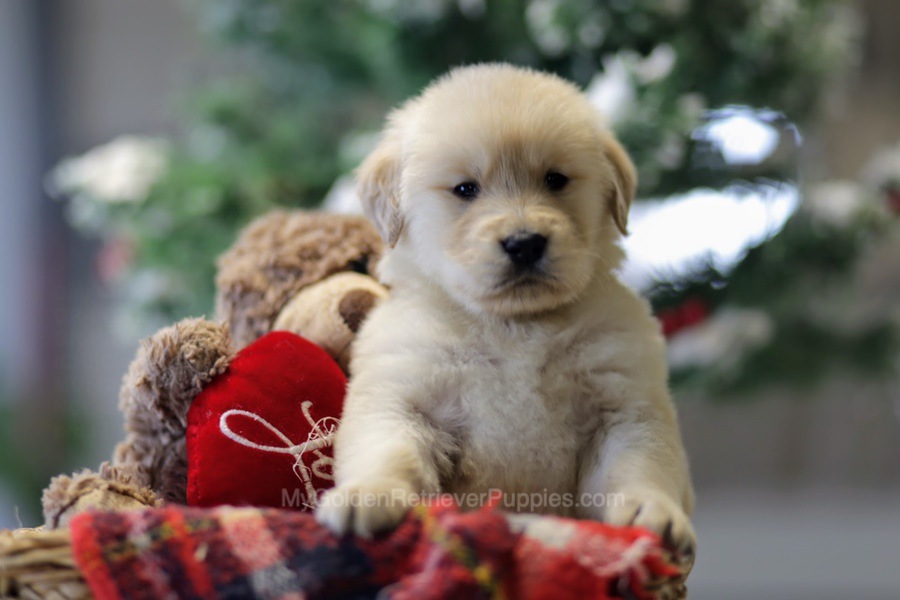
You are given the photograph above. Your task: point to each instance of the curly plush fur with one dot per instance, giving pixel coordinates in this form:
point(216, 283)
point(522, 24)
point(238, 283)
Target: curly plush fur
point(281, 253)
point(170, 369)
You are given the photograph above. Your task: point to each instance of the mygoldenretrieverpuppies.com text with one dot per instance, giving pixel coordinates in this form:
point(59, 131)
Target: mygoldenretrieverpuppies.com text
point(535, 501)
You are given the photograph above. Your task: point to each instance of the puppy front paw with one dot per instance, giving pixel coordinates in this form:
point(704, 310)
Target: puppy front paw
point(365, 508)
point(659, 513)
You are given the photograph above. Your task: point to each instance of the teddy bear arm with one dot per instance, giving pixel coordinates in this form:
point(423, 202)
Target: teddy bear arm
point(170, 369)
point(112, 488)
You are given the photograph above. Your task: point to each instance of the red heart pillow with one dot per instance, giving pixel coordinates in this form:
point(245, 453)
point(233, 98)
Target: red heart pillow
point(261, 433)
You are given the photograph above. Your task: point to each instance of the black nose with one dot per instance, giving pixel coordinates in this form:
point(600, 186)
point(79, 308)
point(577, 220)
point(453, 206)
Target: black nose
point(525, 248)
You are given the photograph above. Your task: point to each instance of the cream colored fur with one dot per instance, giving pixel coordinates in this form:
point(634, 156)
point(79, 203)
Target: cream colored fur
point(473, 377)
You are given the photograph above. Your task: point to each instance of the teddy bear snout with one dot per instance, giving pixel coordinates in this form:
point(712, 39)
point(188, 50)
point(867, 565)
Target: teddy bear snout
point(354, 307)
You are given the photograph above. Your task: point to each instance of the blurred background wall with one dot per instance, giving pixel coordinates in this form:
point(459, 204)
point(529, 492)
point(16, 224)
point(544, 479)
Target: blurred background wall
point(73, 74)
point(117, 69)
point(799, 494)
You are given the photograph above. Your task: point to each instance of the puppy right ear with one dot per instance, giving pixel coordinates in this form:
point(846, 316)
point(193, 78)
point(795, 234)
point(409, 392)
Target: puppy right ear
point(378, 186)
point(624, 182)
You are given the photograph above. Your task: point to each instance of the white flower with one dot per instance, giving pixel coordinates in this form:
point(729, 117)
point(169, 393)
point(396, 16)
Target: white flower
point(741, 135)
point(720, 340)
point(835, 202)
point(551, 38)
point(123, 170)
point(342, 198)
point(612, 90)
point(883, 169)
point(657, 65)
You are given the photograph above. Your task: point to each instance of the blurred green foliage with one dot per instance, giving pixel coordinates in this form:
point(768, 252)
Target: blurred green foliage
point(308, 83)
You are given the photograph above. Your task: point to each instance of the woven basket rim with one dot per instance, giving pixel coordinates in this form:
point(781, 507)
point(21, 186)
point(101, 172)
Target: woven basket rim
point(36, 563)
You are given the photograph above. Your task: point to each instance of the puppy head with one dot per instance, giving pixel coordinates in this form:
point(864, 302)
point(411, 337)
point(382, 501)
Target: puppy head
point(501, 185)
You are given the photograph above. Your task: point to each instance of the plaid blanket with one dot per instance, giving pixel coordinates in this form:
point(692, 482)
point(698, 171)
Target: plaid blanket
point(437, 552)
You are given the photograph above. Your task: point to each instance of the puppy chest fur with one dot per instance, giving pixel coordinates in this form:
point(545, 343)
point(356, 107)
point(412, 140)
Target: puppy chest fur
point(523, 424)
point(520, 406)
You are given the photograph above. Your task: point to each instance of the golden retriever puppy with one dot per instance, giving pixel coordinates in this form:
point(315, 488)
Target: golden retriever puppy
point(509, 361)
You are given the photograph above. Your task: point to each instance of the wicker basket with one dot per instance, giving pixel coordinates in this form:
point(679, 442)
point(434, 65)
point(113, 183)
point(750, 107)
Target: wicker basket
point(39, 564)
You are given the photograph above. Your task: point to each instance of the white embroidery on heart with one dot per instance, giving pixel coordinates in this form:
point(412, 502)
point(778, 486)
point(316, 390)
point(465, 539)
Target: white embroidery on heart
point(320, 436)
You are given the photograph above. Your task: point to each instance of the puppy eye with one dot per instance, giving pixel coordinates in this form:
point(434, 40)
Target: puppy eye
point(555, 181)
point(468, 190)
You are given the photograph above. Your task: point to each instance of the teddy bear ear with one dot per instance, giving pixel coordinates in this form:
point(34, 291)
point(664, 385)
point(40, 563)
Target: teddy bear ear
point(355, 306)
point(378, 186)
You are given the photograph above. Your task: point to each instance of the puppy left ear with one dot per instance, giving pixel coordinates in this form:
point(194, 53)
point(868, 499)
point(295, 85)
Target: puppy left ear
point(624, 182)
point(378, 186)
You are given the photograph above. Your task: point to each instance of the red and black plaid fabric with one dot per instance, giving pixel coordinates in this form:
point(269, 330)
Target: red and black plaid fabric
point(437, 552)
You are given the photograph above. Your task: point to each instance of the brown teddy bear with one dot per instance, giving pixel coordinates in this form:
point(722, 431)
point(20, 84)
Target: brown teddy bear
point(308, 273)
